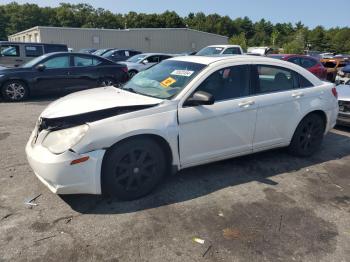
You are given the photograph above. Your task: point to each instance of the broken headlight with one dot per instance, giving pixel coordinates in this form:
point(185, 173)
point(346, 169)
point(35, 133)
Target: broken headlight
point(62, 140)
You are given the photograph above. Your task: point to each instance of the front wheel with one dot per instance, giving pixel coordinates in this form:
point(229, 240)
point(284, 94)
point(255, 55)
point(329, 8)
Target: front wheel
point(308, 136)
point(133, 168)
point(107, 82)
point(132, 73)
point(14, 91)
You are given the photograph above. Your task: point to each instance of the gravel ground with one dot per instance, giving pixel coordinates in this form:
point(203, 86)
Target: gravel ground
point(264, 207)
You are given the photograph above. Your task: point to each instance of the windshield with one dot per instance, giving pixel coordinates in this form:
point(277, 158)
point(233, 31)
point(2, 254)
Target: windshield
point(210, 50)
point(100, 51)
point(109, 53)
point(136, 58)
point(164, 80)
point(277, 56)
point(34, 61)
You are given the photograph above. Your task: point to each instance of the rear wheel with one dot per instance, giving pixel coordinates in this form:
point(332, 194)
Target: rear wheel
point(133, 168)
point(14, 90)
point(308, 136)
point(107, 82)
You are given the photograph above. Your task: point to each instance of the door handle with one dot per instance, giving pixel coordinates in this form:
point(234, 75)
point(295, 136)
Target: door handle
point(246, 103)
point(298, 95)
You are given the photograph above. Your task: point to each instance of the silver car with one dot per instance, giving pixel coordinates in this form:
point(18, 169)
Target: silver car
point(344, 104)
point(144, 61)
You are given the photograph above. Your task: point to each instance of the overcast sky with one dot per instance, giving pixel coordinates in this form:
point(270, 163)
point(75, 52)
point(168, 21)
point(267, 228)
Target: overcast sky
point(311, 12)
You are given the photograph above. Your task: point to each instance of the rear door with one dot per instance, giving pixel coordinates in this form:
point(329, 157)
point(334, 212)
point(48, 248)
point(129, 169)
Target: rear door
point(279, 100)
point(84, 73)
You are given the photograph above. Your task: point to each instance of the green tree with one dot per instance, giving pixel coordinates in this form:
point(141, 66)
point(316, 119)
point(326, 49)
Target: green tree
point(239, 39)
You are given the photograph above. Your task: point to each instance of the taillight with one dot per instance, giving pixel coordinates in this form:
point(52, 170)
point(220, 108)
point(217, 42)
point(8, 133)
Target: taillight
point(125, 69)
point(334, 92)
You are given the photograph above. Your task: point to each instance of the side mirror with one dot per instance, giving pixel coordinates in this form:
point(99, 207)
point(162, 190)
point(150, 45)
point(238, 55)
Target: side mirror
point(40, 67)
point(200, 98)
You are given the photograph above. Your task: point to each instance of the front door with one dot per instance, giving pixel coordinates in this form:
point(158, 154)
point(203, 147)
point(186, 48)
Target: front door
point(221, 130)
point(55, 76)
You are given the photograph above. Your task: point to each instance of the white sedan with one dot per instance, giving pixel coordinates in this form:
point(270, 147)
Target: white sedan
point(183, 112)
point(144, 61)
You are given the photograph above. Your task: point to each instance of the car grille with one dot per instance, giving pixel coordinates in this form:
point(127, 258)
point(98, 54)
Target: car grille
point(344, 106)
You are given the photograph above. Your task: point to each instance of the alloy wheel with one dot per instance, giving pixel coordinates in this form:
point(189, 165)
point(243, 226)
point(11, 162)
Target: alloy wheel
point(135, 169)
point(310, 135)
point(15, 91)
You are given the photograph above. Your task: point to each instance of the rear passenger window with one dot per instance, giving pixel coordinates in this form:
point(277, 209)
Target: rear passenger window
point(274, 79)
point(228, 83)
point(294, 60)
point(55, 48)
point(307, 63)
point(33, 50)
point(83, 61)
point(232, 51)
point(303, 82)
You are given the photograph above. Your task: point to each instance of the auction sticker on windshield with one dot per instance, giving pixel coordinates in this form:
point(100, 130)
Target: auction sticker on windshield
point(168, 82)
point(186, 73)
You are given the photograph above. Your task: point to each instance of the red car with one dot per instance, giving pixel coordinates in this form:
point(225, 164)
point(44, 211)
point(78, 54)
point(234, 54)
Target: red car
point(309, 63)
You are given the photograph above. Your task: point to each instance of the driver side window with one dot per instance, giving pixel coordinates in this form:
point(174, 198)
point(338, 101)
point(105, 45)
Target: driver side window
point(227, 83)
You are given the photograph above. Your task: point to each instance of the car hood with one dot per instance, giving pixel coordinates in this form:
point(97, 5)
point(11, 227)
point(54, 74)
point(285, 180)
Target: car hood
point(343, 92)
point(9, 70)
point(99, 100)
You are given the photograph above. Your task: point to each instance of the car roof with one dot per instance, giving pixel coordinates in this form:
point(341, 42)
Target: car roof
point(206, 60)
point(149, 54)
point(224, 46)
point(291, 55)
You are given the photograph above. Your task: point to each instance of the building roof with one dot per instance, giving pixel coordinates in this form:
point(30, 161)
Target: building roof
point(118, 30)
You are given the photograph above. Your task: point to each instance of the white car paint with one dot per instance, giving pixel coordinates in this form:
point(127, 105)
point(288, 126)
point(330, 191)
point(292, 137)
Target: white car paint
point(223, 49)
point(195, 135)
point(143, 63)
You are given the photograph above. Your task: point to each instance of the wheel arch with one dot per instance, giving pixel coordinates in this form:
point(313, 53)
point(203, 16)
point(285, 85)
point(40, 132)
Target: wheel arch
point(161, 141)
point(318, 112)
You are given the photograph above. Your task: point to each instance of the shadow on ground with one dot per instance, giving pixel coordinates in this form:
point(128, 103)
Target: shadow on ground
point(199, 181)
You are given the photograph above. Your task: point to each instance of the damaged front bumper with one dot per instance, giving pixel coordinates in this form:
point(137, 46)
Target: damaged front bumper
point(61, 176)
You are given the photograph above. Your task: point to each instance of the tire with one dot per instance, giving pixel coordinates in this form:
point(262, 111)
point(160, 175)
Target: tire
point(133, 168)
point(308, 136)
point(132, 73)
point(107, 82)
point(14, 91)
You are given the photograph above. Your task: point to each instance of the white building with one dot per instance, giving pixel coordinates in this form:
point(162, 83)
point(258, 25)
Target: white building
point(171, 40)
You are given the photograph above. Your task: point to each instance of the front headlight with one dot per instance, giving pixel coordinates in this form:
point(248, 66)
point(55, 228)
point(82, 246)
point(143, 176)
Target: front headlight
point(62, 140)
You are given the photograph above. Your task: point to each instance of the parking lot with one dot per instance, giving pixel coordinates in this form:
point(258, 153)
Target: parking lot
point(265, 207)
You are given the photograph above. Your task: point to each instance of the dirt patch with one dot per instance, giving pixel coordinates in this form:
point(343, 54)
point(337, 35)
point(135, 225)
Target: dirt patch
point(4, 135)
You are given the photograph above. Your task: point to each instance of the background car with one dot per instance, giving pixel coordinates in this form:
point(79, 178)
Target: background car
point(220, 50)
point(144, 61)
point(333, 65)
point(88, 50)
point(13, 54)
point(101, 52)
point(58, 72)
point(117, 55)
point(308, 62)
point(343, 75)
point(344, 104)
